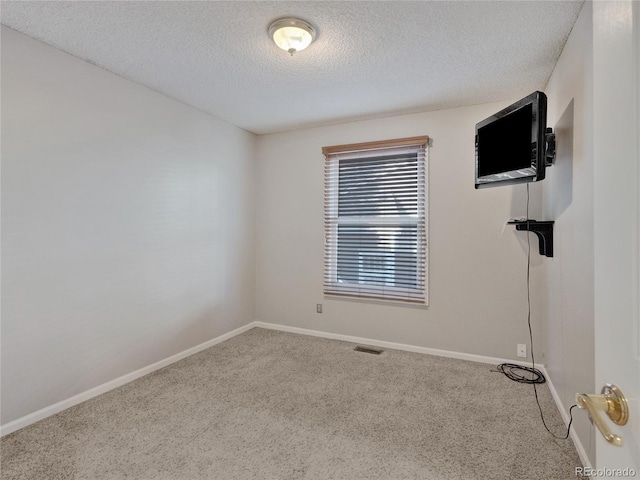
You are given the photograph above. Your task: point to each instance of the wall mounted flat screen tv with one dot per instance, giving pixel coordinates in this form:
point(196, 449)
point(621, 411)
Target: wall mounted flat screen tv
point(511, 144)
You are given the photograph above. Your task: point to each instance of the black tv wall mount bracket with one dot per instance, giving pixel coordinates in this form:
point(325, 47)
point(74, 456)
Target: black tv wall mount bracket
point(550, 147)
point(543, 230)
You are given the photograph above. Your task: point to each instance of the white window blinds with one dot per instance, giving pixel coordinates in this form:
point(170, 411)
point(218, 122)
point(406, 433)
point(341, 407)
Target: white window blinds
point(375, 220)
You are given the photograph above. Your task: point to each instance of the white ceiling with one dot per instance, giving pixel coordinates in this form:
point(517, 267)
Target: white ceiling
point(370, 59)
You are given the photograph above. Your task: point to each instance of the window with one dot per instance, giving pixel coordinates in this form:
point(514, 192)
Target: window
point(375, 220)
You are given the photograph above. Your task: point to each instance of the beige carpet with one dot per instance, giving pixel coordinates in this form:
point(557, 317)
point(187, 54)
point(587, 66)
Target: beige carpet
point(273, 405)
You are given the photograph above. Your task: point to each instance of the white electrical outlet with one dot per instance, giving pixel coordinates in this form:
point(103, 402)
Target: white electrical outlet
point(318, 307)
point(522, 350)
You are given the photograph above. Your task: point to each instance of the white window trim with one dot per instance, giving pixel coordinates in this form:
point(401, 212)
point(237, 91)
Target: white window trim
point(365, 292)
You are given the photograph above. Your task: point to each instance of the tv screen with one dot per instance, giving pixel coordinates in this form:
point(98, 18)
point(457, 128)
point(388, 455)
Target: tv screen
point(511, 144)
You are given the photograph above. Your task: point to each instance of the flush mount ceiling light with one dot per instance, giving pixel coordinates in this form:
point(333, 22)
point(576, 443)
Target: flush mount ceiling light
point(292, 34)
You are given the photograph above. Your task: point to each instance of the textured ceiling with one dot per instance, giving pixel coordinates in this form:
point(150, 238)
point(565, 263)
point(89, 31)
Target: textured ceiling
point(370, 59)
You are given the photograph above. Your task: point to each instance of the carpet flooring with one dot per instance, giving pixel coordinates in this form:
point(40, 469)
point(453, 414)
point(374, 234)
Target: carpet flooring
point(274, 405)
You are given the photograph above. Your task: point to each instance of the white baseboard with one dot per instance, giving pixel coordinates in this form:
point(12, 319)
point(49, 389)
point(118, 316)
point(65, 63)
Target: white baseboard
point(582, 453)
point(394, 346)
point(105, 387)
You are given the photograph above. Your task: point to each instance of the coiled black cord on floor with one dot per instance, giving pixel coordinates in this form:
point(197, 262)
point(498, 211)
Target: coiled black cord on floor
point(529, 375)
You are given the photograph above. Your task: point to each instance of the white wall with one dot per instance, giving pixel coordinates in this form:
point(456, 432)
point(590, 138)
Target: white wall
point(477, 273)
point(127, 226)
point(568, 199)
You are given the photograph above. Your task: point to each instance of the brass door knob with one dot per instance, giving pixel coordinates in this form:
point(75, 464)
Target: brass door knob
point(612, 402)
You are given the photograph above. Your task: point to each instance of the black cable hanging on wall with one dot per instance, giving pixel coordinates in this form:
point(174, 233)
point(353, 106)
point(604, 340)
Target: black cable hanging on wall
point(531, 375)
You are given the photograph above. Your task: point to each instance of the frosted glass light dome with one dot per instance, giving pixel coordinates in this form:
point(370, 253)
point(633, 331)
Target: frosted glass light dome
point(291, 34)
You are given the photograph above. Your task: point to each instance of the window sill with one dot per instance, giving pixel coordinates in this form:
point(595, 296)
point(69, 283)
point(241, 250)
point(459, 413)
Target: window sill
point(419, 304)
